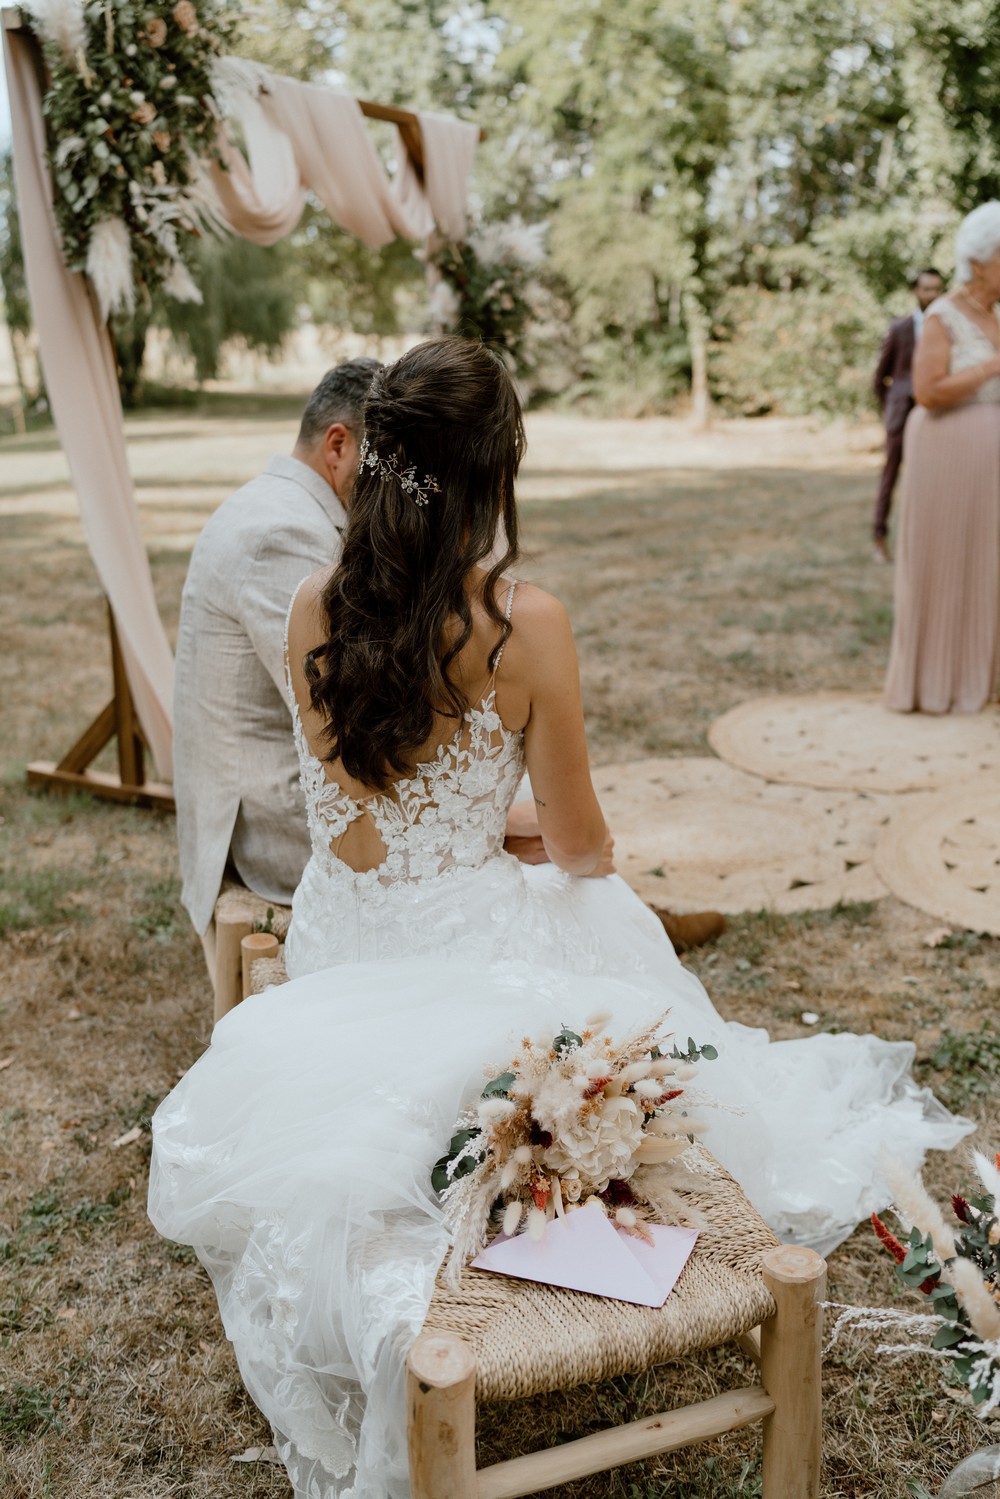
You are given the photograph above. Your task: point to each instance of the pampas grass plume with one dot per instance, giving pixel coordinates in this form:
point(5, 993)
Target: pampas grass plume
point(109, 267)
point(656, 1149)
point(492, 1110)
point(634, 1071)
point(915, 1205)
point(647, 1088)
point(976, 1299)
point(62, 23)
point(509, 1174)
point(179, 285)
point(536, 1223)
point(599, 1021)
point(511, 1219)
point(989, 1176)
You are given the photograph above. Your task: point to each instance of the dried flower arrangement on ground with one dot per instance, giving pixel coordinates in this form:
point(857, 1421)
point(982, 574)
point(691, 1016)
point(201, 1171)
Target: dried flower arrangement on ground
point(571, 1118)
point(957, 1269)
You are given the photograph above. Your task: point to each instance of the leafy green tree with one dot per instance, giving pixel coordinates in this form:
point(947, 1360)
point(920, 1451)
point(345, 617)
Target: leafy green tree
point(17, 307)
point(347, 285)
point(249, 293)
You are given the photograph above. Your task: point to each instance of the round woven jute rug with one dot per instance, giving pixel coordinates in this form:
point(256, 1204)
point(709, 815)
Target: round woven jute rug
point(696, 834)
point(941, 853)
point(846, 741)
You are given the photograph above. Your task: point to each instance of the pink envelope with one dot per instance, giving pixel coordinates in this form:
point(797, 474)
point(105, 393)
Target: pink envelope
point(585, 1252)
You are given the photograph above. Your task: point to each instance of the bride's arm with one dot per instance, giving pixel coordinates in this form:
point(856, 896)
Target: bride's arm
point(540, 664)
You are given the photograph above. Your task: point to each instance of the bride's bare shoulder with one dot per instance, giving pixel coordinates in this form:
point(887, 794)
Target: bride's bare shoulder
point(541, 634)
point(536, 610)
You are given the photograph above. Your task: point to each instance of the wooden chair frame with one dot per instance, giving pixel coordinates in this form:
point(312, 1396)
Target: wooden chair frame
point(441, 1407)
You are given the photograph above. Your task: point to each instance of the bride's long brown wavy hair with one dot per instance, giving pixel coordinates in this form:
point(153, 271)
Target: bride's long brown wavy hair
point(449, 409)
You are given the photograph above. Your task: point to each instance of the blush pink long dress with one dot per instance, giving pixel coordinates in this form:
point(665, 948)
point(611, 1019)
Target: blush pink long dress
point(945, 655)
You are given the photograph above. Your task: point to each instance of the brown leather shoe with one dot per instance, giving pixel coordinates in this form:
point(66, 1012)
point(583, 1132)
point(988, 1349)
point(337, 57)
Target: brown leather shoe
point(693, 930)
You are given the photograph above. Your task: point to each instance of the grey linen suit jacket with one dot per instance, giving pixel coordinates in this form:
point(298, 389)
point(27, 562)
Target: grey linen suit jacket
point(236, 773)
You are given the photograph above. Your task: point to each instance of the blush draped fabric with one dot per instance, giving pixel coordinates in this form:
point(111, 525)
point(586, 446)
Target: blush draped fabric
point(299, 138)
point(82, 385)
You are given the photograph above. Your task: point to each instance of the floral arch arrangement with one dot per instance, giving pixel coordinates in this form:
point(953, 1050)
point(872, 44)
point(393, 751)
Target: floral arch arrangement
point(131, 118)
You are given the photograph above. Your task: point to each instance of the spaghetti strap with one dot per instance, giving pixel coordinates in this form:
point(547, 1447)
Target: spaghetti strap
point(507, 613)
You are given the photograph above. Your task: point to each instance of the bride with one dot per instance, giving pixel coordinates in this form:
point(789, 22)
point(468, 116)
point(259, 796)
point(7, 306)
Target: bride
point(295, 1156)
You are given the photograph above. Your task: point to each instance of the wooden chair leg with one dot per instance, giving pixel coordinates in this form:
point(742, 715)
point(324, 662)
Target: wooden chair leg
point(229, 933)
point(441, 1417)
point(256, 945)
point(790, 1352)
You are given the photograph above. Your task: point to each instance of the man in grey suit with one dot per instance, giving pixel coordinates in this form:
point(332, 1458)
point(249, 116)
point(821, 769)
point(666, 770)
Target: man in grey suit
point(236, 774)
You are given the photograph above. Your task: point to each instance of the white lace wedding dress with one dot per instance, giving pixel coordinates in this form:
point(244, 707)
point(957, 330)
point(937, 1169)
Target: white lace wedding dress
point(295, 1156)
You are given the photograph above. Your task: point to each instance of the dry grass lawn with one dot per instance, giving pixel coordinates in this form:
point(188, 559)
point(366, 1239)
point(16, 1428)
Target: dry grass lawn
point(699, 572)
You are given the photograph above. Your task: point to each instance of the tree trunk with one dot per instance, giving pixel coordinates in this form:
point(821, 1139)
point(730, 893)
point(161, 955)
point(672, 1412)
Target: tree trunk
point(21, 406)
point(696, 326)
point(129, 334)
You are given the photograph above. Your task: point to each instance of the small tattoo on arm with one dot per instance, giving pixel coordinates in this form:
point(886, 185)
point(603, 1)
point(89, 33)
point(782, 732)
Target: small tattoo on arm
point(539, 802)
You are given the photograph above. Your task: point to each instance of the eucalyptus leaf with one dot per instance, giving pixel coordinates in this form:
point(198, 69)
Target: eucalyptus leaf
point(498, 1087)
point(441, 1175)
point(949, 1336)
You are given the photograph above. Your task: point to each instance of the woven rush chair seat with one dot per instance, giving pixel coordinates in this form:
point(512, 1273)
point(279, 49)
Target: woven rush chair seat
point(529, 1339)
point(494, 1338)
point(236, 902)
point(265, 973)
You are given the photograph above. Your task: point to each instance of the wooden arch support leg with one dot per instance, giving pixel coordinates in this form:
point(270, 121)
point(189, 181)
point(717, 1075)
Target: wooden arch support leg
point(790, 1357)
point(441, 1417)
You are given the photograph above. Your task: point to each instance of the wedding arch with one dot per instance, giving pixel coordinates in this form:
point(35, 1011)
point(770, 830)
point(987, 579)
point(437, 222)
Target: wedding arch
point(297, 138)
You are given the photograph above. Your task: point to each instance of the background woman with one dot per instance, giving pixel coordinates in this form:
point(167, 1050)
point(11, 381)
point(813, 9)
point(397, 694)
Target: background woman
point(945, 654)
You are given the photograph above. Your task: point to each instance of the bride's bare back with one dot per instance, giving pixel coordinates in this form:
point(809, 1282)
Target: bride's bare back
point(535, 691)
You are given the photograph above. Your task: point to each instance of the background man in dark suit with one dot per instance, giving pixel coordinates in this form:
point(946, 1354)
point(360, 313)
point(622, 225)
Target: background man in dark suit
point(894, 393)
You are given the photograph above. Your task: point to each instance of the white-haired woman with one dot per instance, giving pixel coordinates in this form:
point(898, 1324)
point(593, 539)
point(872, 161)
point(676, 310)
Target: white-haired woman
point(945, 653)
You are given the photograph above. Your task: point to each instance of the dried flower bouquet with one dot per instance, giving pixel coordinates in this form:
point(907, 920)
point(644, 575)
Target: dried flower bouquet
point(571, 1118)
point(957, 1269)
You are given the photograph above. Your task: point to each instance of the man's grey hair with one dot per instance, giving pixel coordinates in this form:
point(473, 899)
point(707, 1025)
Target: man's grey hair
point(978, 238)
point(339, 397)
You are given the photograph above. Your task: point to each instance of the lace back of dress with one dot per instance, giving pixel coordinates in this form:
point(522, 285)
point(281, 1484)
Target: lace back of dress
point(450, 813)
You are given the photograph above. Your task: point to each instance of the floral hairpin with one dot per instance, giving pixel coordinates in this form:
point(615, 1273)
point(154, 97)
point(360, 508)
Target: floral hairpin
point(407, 477)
